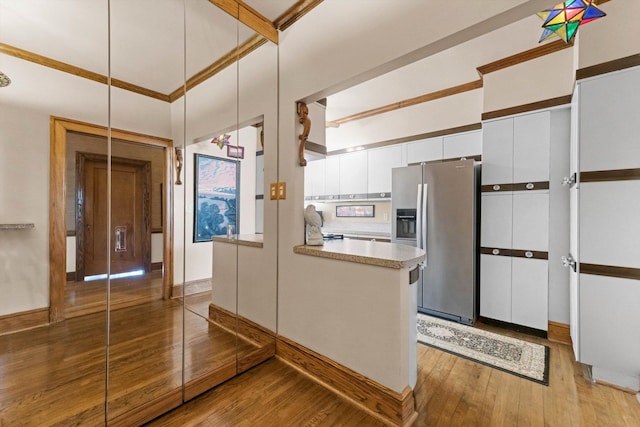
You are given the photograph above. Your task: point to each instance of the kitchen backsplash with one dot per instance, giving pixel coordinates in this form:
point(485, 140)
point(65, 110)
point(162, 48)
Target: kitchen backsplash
point(379, 224)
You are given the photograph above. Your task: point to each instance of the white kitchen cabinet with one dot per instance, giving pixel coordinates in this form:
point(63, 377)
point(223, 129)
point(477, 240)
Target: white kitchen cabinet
point(332, 176)
point(460, 145)
point(314, 178)
point(605, 291)
point(529, 292)
point(531, 221)
point(353, 174)
point(497, 220)
point(531, 143)
point(497, 152)
point(380, 161)
point(495, 294)
point(426, 150)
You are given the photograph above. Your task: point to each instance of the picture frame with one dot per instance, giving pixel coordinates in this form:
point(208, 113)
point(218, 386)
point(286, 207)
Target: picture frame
point(355, 211)
point(216, 197)
point(235, 151)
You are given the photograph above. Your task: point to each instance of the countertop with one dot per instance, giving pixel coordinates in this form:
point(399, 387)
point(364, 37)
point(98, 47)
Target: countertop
point(382, 254)
point(253, 240)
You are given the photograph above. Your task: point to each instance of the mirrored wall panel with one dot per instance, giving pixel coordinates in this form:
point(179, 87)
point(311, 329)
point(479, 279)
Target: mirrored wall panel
point(53, 110)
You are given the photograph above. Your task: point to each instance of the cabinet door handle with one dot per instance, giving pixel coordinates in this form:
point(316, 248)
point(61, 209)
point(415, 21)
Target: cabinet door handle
point(568, 261)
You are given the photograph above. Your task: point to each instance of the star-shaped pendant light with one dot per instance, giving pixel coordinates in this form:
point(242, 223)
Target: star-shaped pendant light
point(221, 140)
point(564, 18)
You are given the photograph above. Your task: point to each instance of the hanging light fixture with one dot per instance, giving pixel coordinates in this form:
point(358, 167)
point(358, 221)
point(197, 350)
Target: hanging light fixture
point(221, 140)
point(563, 19)
point(4, 80)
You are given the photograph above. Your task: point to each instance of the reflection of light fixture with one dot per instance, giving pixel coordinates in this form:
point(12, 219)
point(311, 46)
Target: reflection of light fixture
point(564, 18)
point(221, 140)
point(4, 80)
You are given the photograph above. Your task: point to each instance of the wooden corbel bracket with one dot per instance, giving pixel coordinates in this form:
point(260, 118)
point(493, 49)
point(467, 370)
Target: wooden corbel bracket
point(305, 121)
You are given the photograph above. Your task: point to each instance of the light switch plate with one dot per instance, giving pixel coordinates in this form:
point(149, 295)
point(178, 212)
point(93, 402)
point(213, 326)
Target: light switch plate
point(282, 190)
point(273, 191)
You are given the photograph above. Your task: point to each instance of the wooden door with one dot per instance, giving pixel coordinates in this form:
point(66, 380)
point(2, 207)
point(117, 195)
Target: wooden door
point(129, 229)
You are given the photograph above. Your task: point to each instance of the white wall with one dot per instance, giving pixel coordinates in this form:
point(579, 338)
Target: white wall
point(611, 37)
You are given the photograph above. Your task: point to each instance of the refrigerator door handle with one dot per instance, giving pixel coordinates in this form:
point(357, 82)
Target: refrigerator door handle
point(419, 217)
point(423, 217)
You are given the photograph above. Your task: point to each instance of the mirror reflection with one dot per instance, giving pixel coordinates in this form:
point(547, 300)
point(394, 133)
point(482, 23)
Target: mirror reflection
point(120, 305)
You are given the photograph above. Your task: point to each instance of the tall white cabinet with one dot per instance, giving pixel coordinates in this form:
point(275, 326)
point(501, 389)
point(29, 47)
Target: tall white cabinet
point(514, 235)
point(605, 238)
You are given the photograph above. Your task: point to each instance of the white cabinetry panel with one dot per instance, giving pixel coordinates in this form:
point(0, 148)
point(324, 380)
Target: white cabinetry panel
point(462, 145)
point(531, 221)
point(532, 135)
point(426, 150)
point(353, 173)
point(380, 162)
point(529, 292)
point(332, 175)
point(609, 319)
point(610, 223)
point(495, 295)
point(496, 223)
point(497, 152)
point(609, 125)
point(314, 177)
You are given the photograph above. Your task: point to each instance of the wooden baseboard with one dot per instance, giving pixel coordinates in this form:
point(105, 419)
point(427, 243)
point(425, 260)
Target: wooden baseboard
point(156, 266)
point(192, 287)
point(559, 332)
point(206, 382)
point(389, 406)
point(14, 322)
point(262, 338)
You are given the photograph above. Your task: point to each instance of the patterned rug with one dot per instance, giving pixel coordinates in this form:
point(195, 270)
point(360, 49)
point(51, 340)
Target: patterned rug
point(521, 358)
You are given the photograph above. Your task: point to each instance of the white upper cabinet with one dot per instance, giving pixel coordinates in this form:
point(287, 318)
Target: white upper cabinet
point(609, 121)
point(380, 161)
point(314, 178)
point(462, 145)
point(532, 135)
point(353, 174)
point(497, 152)
point(426, 150)
point(332, 175)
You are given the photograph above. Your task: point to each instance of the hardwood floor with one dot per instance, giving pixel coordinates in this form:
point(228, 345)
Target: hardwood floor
point(451, 391)
point(56, 375)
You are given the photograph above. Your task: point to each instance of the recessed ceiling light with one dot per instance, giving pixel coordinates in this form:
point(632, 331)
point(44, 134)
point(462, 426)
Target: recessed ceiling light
point(4, 80)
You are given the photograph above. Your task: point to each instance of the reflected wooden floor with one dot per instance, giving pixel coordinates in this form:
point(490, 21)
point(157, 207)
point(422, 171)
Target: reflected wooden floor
point(451, 391)
point(55, 375)
point(91, 297)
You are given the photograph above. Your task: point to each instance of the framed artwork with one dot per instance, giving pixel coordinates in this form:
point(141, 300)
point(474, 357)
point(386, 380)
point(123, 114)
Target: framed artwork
point(217, 186)
point(359, 211)
point(235, 151)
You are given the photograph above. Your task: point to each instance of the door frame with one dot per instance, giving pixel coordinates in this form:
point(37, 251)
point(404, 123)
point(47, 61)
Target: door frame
point(59, 127)
point(145, 165)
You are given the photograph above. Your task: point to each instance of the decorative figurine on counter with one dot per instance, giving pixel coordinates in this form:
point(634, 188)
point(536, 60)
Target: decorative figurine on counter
point(314, 235)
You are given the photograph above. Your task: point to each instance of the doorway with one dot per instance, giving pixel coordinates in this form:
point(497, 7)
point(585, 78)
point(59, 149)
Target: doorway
point(130, 245)
point(60, 129)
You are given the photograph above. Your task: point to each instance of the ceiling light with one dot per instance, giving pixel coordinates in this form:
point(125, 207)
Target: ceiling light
point(4, 80)
point(564, 18)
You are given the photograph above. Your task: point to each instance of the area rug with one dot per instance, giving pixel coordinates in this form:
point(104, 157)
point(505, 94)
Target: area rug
point(518, 357)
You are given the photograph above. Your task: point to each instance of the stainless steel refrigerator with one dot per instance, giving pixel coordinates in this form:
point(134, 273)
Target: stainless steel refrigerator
point(433, 207)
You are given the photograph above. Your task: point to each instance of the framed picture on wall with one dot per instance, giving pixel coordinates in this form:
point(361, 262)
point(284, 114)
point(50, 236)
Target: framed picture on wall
point(235, 151)
point(217, 193)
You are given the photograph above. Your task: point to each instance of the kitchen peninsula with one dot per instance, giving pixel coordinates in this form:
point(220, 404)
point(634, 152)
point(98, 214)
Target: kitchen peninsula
point(360, 312)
